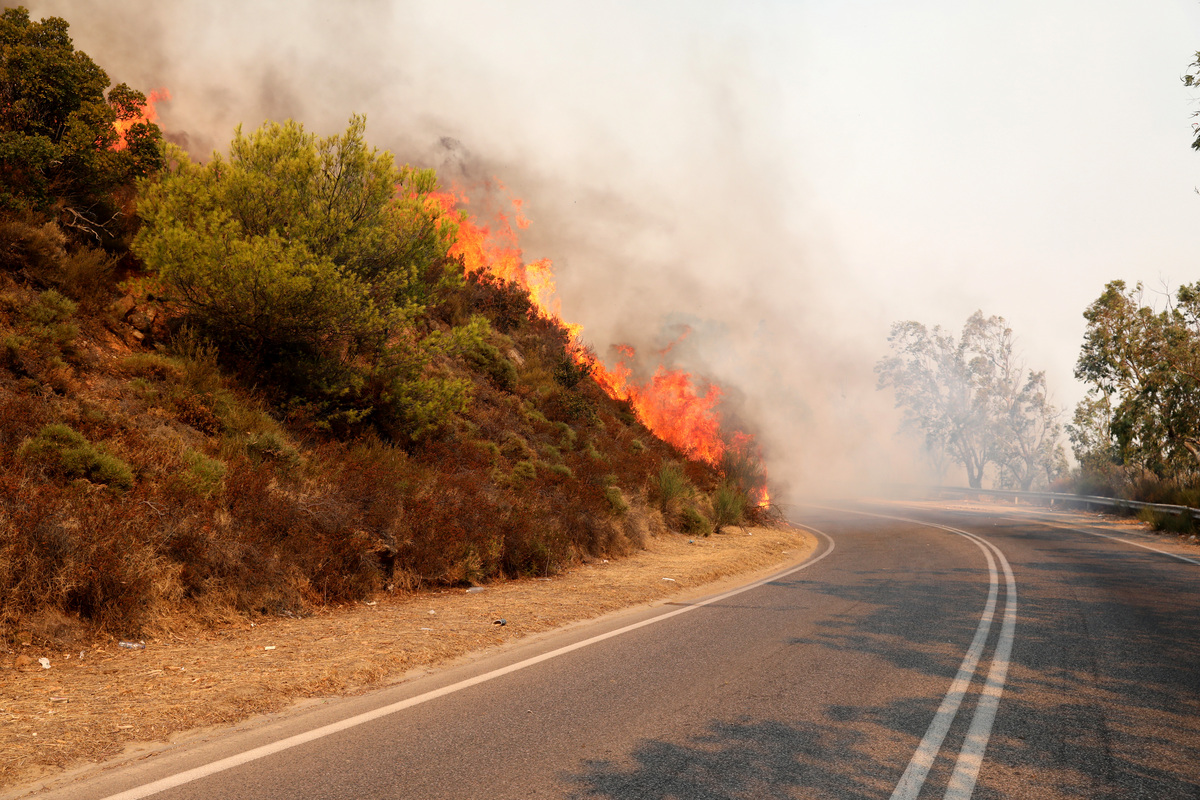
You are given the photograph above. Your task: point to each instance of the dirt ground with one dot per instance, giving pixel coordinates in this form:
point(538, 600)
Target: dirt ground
point(93, 704)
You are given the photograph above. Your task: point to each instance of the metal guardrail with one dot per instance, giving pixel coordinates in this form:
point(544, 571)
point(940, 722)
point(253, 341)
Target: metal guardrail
point(1085, 500)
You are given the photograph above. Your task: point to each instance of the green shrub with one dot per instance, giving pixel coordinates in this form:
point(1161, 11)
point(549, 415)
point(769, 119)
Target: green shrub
point(272, 446)
point(1166, 521)
point(515, 448)
point(201, 476)
point(692, 521)
point(560, 471)
point(729, 506)
point(50, 316)
point(524, 471)
point(637, 447)
point(567, 438)
point(670, 487)
point(64, 451)
point(149, 366)
point(489, 448)
point(108, 469)
point(616, 500)
point(562, 405)
point(314, 288)
point(487, 358)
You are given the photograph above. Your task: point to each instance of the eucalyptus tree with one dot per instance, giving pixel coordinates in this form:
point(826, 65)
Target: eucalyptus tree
point(973, 399)
point(1142, 366)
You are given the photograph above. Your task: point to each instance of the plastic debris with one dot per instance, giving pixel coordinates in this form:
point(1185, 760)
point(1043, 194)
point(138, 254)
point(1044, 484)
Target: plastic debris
point(691, 541)
point(426, 629)
point(370, 603)
point(269, 647)
point(432, 612)
point(672, 580)
point(59, 699)
point(133, 645)
point(45, 662)
point(500, 622)
point(475, 589)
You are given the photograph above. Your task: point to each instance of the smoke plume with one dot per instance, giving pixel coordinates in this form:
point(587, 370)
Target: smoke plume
point(646, 151)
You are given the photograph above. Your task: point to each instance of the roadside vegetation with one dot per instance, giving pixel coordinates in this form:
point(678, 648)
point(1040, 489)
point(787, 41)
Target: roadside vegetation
point(260, 384)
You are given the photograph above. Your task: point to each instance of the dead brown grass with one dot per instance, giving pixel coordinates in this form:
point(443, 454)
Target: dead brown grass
point(93, 703)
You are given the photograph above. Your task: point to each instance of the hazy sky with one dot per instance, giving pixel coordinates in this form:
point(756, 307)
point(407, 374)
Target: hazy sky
point(789, 178)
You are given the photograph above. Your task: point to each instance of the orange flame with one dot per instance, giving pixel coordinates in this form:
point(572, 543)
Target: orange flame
point(668, 403)
point(149, 114)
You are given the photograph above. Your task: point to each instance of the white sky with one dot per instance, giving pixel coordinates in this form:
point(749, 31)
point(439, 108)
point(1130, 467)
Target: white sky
point(789, 177)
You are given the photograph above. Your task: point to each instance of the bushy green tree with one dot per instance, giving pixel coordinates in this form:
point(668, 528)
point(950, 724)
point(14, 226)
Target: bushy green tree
point(1142, 366)
point(58, 143)
point(308, 260)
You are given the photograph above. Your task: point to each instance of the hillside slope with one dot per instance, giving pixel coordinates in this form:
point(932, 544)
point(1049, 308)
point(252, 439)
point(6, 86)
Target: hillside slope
point(276, 380)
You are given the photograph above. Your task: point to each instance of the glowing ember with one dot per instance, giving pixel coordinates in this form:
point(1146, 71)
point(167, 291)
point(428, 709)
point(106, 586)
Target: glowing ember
point(149, 114)
point(669, 403)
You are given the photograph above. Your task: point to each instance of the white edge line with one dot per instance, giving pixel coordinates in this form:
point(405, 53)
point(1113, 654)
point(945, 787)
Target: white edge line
point(1136, 544)
point(257, 753)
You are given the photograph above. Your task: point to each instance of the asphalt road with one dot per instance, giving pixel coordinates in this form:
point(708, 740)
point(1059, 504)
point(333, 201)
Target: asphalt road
point(948, 654)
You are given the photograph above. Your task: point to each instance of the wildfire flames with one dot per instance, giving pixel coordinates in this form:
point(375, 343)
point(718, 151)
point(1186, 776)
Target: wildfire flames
point(149, 114)
point(668, 403)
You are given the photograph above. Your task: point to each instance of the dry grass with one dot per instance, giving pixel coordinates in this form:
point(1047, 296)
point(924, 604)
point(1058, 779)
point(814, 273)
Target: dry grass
point(91, 704)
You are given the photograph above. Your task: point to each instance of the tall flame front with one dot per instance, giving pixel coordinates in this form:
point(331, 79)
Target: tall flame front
point(668, 403)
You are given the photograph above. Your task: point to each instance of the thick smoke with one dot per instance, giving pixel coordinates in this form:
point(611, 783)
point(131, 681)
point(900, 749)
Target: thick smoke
point(647, 153)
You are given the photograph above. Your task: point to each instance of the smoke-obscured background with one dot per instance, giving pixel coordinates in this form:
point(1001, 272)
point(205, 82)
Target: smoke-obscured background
point(784, 179)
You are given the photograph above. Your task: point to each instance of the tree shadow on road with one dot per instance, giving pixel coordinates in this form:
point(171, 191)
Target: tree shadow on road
point(740, 760)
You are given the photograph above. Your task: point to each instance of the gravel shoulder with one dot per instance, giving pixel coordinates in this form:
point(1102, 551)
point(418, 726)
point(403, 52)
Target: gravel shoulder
point(106, 701)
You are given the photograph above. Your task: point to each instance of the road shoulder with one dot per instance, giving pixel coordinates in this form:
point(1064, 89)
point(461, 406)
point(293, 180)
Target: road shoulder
point(109, 705)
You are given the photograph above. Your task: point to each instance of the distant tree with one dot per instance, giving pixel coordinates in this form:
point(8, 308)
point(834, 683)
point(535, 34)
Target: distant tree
point(1142, 412)
point(58, 143)
point(973, 400)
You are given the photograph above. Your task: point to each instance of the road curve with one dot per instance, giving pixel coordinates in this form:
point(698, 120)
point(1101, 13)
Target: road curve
point(920, 653)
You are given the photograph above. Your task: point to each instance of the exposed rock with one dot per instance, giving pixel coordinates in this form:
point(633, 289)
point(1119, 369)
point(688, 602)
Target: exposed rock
point(143, 319)
point(123, 306)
